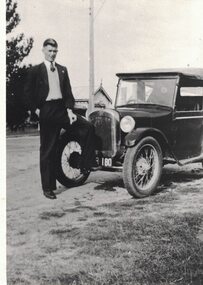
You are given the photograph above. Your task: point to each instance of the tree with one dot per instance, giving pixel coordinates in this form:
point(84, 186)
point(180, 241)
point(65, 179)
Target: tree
point(17, 48)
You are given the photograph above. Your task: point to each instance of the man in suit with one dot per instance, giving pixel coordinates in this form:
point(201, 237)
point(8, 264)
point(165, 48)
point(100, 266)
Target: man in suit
point(48, 93)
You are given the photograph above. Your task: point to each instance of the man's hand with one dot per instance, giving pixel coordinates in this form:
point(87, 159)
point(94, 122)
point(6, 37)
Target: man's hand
point(72, 116)
point(37, 111)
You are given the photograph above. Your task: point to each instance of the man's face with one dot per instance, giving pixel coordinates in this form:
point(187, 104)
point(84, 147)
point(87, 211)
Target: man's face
point(50, 52)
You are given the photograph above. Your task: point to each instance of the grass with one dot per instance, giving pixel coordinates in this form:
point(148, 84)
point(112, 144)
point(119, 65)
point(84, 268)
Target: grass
point(79, 240)
point(132, 248)
point(147, 251)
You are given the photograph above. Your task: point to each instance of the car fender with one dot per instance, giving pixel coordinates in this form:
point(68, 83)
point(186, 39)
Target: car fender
point(136, 135)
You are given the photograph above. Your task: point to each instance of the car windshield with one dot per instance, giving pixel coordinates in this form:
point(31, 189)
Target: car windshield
point(146, 91)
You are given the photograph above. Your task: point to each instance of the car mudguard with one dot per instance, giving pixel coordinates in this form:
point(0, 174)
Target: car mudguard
point(136, 135)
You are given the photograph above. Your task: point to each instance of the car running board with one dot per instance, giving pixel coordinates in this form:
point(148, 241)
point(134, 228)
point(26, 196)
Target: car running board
point(191, 160)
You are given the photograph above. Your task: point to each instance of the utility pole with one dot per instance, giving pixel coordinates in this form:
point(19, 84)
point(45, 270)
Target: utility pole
point(91, 57)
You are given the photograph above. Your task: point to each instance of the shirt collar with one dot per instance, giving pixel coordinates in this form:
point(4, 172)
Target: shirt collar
point(48, 63)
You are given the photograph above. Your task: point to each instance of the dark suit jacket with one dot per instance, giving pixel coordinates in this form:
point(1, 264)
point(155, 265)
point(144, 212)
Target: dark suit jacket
point(36, 88)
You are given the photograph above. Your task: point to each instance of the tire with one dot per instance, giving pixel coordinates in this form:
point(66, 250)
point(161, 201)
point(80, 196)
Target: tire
point(67, 174)
point(142, 168)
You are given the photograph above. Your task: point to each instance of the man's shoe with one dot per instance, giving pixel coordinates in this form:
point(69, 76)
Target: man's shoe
point(49, 194)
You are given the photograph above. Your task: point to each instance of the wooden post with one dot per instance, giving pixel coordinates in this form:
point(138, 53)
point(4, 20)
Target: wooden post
point(91, 57)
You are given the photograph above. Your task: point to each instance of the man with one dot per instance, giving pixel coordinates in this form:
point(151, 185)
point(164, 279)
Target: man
point(48, 93)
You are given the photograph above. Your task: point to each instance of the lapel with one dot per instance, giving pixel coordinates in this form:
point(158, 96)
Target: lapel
point(43, 73)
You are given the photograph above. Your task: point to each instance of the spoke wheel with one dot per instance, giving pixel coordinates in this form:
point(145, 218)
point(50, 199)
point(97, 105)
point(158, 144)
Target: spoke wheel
point(72, 149)
point(68, 155)
point(143, 167)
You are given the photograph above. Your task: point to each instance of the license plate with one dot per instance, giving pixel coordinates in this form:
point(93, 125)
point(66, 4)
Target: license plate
point(106, 161)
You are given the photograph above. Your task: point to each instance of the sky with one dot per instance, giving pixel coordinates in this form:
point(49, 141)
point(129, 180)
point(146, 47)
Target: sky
point(130, 35)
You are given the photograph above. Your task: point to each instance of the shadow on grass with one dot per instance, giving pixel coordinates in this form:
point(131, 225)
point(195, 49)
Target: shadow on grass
point(65, 231)
point(54, 214)
point(170, 176)
point(110, 185)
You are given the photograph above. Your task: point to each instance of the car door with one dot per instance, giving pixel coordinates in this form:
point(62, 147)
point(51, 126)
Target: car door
point(188, 123)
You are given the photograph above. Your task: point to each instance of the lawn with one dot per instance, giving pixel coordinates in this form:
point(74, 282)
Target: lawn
point(144, 241)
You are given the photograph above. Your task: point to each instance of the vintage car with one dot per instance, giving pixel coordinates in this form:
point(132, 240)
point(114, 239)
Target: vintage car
point(157, 119)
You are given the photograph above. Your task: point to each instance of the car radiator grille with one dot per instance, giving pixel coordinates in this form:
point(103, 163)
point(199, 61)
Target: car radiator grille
point(106, 129)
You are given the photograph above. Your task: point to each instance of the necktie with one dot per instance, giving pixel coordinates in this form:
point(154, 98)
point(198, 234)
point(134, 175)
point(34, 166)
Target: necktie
point(52, 68)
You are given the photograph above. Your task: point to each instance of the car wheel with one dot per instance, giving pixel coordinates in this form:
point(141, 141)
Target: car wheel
point(68, 154)
point(143, 167)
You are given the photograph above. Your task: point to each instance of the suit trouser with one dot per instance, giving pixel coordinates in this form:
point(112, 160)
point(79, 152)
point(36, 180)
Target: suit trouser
point(54, 117)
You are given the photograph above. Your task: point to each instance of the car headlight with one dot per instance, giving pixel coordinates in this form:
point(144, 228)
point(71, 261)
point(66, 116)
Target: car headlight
point(127, 124)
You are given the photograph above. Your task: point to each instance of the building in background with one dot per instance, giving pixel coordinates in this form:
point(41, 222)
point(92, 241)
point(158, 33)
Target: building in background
point(101, 98)
point(101, 101)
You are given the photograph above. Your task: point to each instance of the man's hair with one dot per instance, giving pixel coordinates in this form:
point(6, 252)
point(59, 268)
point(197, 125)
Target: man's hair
point(50, 42)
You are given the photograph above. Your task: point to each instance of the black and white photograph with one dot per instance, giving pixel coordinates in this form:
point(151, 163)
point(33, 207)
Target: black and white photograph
point(103, 152)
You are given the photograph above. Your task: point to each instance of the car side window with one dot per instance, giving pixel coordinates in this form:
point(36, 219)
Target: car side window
point(189, 99)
